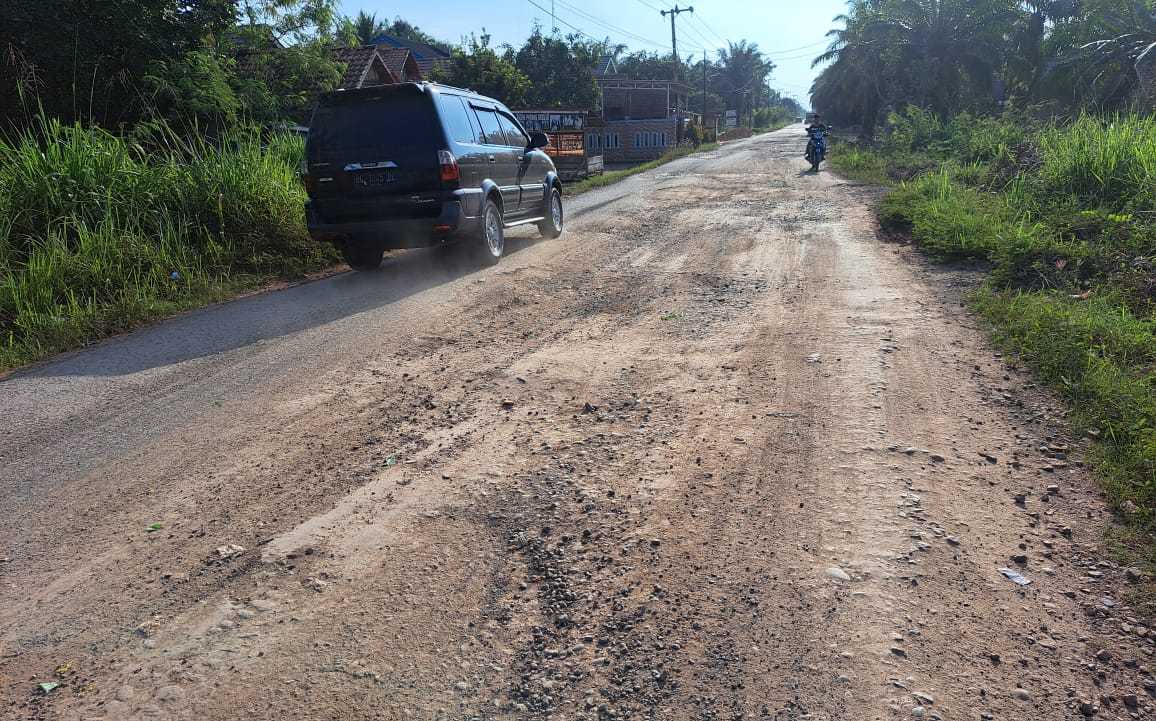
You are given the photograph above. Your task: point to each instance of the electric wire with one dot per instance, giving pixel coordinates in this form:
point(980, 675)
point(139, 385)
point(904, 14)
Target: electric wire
point(610, 26)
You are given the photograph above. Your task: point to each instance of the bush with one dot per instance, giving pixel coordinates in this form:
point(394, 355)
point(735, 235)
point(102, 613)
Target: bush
point(773, 118)
point(964, 138)
point(859, 163)
point(99, 235)
point(694, 135)
point(944, 217)
point(1109, 164)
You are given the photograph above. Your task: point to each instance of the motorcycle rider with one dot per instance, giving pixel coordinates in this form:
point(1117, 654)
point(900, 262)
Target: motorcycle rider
point(817, 129)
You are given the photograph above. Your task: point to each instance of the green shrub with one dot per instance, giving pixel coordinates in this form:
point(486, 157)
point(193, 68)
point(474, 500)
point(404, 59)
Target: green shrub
point(944, 217)
point(1109, 164)
point(773, 118)
point(965, 138)
point(859, 163)
point(97, 234)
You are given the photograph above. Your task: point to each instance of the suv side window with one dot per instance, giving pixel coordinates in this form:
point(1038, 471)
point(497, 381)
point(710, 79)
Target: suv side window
point(491, 129)
point(456, 117)
point(514, 134)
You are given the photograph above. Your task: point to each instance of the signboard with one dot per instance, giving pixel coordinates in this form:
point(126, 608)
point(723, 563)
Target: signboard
point(732, 119)
point(551, 121)
point(567, 143)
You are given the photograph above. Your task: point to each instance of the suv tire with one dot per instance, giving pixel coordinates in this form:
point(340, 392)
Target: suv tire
point(491, 241)
point(551, 226)
point(360, 257)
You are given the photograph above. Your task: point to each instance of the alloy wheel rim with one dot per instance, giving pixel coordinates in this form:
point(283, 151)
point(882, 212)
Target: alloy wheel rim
point(556, 211)
point(493, 232)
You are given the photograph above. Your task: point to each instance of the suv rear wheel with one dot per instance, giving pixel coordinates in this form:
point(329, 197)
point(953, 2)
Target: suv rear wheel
point(492, 241)
point(551, 226)
point(362, 258)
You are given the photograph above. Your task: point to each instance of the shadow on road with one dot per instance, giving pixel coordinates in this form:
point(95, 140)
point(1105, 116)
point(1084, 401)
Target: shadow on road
point(264, 316)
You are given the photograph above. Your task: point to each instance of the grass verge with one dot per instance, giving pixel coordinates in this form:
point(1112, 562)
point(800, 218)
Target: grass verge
point(100, 233)
point(1066, 217)
point(616, 176)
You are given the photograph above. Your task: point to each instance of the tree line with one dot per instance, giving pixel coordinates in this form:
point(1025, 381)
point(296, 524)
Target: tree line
point(559, 71)
point(205, 65)
point(1049, 58)
point(209, 63)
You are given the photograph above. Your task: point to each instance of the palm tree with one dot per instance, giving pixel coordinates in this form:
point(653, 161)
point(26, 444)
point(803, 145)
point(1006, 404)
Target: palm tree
point(1122, 60)
point(1040, 23)
point(366, 27)
point(852, 87)
point(743, 74)
point(942, 55)
point(952, 47)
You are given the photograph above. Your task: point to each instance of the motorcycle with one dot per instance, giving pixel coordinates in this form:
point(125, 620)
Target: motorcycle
point(817, 147)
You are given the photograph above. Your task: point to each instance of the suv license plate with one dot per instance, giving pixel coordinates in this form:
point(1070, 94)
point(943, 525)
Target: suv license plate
point(373, 180)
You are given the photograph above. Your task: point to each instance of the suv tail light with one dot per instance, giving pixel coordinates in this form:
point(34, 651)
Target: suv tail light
point(451, 173)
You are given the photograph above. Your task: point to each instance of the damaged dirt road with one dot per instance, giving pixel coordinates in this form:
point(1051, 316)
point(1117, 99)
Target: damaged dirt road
point(718, 453)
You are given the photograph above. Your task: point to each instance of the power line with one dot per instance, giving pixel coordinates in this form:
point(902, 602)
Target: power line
point(689, 28)
point(711, 30)
point(610, 26)
point(560, 20)
point(579, 31)
point(655, 8)
point(795, 50)
point(614, 29)
point(790, 58)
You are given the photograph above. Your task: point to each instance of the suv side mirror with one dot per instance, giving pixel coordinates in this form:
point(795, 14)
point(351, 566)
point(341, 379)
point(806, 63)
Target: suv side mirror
point(538, 140)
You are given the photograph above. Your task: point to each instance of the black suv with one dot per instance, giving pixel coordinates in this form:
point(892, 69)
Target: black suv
point(422, 164)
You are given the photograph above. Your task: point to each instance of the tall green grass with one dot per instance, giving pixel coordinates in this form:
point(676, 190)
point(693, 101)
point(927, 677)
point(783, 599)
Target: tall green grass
point(1066, 216)
point(100, 232)
point(1102, 163)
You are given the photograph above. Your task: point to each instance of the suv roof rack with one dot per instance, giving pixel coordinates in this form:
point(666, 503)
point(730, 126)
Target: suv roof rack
point(450, 87)
point(370, 89)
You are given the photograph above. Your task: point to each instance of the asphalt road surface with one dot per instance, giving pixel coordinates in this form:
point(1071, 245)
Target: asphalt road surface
point(720, 452)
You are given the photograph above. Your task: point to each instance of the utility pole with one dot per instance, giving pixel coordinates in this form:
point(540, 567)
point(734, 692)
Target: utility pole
point(704, 81)
point(674, 33)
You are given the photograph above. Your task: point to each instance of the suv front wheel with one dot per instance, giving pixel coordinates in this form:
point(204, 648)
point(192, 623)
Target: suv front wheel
point(551, 225)
point(492, 240)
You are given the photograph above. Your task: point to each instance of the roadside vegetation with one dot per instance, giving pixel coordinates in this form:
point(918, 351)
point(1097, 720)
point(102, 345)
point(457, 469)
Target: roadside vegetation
point(99, 233)
point(1020, 136)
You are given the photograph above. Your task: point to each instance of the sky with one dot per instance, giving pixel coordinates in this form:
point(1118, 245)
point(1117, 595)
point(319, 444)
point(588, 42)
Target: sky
point(791, 33)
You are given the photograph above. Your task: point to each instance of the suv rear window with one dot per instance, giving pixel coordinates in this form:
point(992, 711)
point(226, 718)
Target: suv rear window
point(373, 129)
point(456, 116)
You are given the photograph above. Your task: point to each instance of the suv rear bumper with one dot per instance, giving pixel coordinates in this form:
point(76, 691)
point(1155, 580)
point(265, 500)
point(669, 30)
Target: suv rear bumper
point(395, 233)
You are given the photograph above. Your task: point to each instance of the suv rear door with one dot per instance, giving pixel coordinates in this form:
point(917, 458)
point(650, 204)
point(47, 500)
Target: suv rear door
point(502, 158)
point(461, 125)
point(376, 154)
